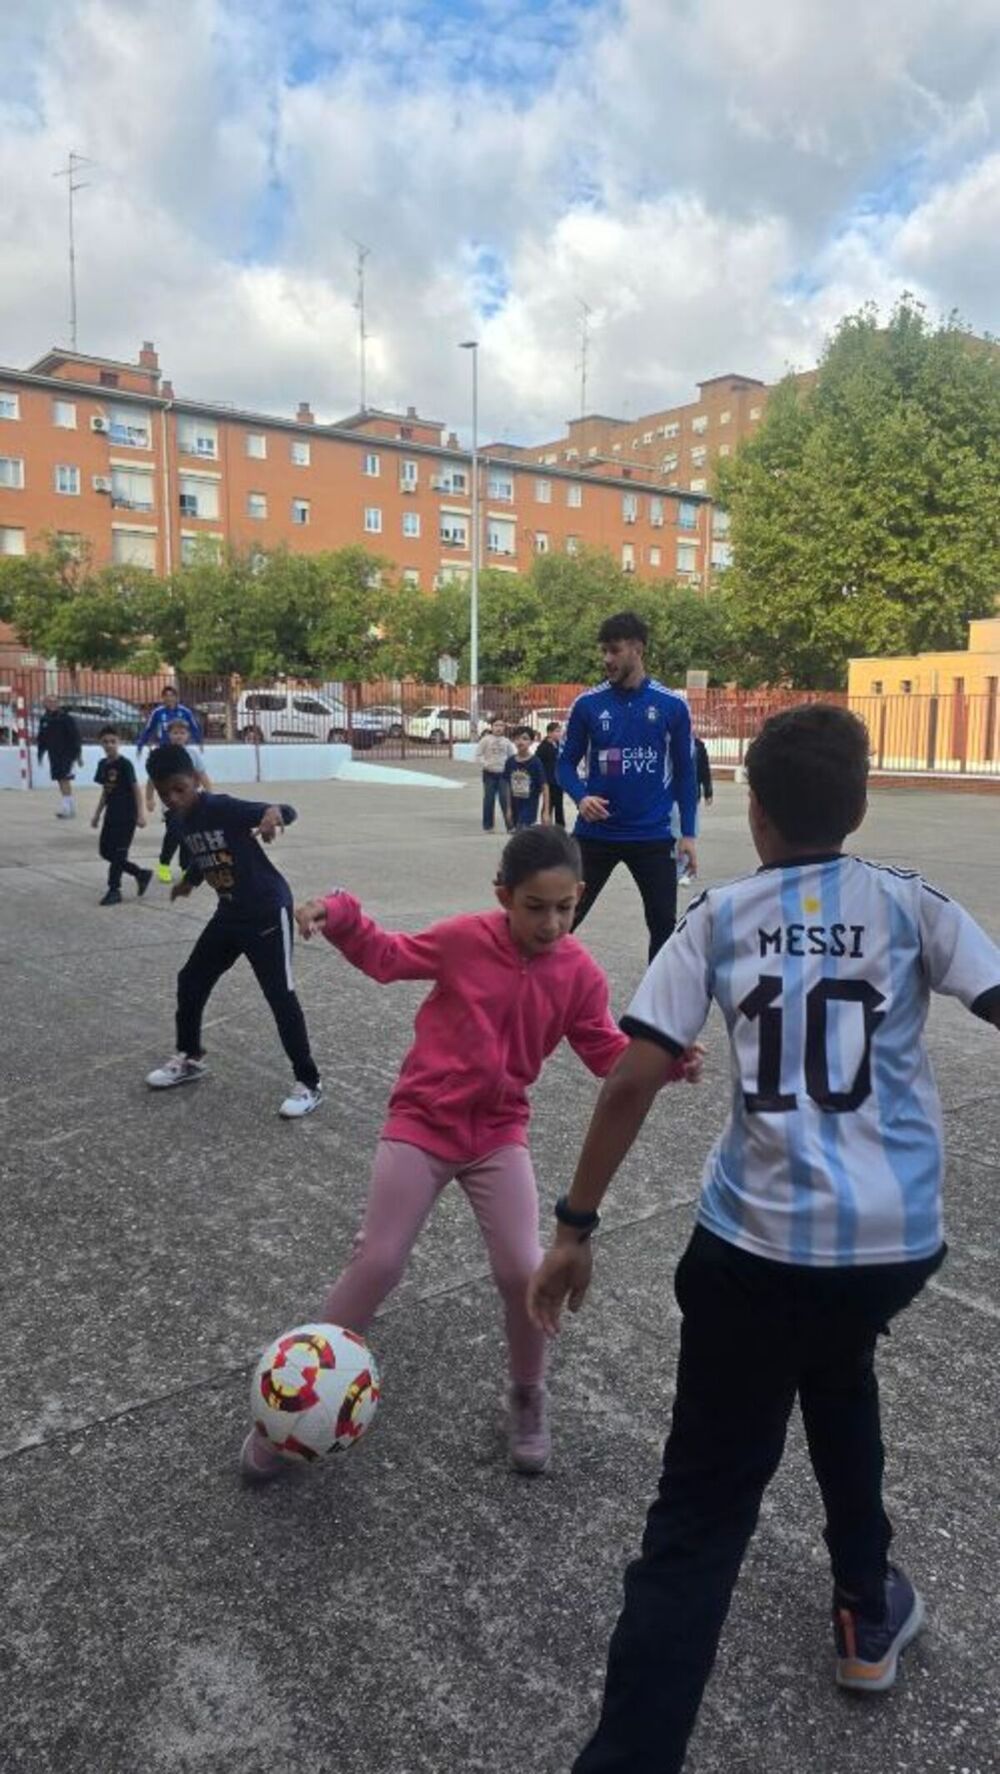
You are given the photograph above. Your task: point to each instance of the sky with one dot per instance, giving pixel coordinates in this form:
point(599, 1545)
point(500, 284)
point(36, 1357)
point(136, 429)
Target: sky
point(719, 181)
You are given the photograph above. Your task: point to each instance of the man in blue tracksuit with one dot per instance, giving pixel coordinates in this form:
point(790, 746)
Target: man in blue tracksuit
point(156, 730)
point(636, 739)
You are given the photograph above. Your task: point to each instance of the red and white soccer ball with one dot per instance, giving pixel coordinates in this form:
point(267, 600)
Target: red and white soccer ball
point(315, 1391)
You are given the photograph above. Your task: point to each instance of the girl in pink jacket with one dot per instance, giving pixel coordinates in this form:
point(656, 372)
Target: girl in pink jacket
point(508, 985)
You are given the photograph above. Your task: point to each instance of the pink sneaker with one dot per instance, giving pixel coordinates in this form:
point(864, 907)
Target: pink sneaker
point(530, 1441)
point(260, 1462)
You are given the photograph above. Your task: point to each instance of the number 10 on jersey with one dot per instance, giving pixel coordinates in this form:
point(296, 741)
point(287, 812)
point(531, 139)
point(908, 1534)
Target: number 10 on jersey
point(763, 1007)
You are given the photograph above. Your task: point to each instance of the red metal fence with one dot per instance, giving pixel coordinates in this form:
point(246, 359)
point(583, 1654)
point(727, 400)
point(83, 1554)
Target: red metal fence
point(951, 735)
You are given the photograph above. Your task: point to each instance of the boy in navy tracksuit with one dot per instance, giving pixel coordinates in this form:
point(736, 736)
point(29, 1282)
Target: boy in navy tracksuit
point(253, 918)
point(636, 738)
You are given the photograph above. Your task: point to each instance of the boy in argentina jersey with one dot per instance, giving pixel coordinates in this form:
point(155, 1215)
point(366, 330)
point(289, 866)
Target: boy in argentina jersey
point(253, 918)
point(819, 1219)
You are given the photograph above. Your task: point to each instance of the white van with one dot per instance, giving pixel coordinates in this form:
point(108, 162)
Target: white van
point(283, 713)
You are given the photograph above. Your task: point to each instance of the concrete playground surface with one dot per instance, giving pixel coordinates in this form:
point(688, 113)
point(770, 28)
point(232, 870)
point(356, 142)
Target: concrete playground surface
point(417, 1608)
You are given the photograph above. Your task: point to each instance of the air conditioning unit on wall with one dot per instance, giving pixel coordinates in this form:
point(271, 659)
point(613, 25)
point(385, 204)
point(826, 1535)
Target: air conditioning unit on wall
point(101, 483)
point(98, 423)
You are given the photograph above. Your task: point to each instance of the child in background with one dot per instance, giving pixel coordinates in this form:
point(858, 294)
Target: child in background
point(703, 778)
point(121, 806)
point(508, 986)
point(819, 1221)
point(492, 752)
point(526, 782)
point(547, 753)
point(179, 733)
point(253, 918)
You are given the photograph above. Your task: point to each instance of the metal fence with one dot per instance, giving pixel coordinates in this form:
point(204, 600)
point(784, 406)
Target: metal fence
point(950, 735)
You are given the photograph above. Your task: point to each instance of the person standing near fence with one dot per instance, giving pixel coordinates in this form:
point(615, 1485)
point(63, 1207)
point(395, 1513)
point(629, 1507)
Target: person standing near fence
point(157, 729)
point(547, 752)
point(59, 740)
point(492, 753)
point(635, 738)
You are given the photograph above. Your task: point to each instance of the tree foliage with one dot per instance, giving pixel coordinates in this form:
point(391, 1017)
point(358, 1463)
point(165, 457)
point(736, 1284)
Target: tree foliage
point(864, 511)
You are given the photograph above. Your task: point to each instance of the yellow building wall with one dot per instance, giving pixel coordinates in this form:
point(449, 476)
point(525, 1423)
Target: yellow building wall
point(933, 710)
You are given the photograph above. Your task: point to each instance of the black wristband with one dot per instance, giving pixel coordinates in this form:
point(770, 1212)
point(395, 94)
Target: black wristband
point(583, 1223)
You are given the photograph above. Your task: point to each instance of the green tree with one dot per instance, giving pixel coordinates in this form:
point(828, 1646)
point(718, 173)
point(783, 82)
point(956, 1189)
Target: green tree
point(864, 512)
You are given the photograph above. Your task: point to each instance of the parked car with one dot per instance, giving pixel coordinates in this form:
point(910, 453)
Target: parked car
point(283, 713)
point(439, 723)
point(93, 711)
point(382, 720)
point(538, 718)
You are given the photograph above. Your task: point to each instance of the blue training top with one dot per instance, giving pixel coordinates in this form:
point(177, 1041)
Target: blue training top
point(637, 744)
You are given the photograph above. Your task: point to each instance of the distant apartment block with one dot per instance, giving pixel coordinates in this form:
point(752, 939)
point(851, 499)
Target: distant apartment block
point(104, 452)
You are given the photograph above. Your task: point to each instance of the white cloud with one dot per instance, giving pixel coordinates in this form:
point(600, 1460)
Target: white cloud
point(720, 183)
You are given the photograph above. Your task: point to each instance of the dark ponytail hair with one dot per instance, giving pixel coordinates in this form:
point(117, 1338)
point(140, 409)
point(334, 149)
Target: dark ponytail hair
point(538, 847)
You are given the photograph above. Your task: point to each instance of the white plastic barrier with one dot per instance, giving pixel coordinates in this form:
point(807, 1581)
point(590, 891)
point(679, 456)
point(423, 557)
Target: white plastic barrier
point(226, 764)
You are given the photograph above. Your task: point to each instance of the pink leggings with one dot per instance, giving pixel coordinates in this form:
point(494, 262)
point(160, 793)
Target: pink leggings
point(406, 1182)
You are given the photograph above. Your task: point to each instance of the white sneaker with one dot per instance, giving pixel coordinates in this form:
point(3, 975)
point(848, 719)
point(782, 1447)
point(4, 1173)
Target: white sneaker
point(301, 1101)
point(178, 1070)
point(685, 879)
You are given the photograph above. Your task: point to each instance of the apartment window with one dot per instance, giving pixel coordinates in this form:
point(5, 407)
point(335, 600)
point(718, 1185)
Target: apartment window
point(876, 686)
point(906, 686)
point(699, 423)
point(64, 414)
point(687, 555)
point(129, 427)
point(501, 487)
point(722, 554)
point(647, 437)
point(699, 486)
point(655, 557)
point(301, 452)
point(687, 515)
point(257, 505)
point(453, 480)
point(256, 446)
point(134, 548)
point(198, 437)
point(720, 521)
point(373, 464)
point(108, 378)
point(543, 492)
point(673, 429)
point(628, 557)
point(669, 463)
point(11, 471)
point(552, 458)
point(698, 456)
point(572, 545)
point(132, 489)
point(593, 449)
point(630, 507)
point(500, 535)
point(10, 406)
point(755, 412)
point(373, 520)
point(67, 479)
point(725, 417)
point(300, 511)
point(408, 475)
point(71, 543)
point(411, 576)
point(656, 512)
point(574, 495)
point(202, 547)
point(541, 542)
point(11, 540)
point(411, 523)
point(724, 449)
point(198, 497)
point(454, 531)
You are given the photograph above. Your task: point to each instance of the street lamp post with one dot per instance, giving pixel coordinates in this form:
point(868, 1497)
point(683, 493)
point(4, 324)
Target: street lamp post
point(473, 346)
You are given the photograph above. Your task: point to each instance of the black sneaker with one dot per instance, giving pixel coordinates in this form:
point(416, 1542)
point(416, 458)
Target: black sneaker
point(868, 1650)
point(143, 881)
point(112, 897)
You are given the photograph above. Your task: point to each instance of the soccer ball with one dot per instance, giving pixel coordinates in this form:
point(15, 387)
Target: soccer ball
point(315, 1391)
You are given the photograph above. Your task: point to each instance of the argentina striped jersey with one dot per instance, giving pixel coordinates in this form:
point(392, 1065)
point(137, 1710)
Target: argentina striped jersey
point(822, 969)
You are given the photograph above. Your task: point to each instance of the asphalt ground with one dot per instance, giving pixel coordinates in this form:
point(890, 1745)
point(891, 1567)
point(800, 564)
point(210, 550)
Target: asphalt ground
point(417, 1608)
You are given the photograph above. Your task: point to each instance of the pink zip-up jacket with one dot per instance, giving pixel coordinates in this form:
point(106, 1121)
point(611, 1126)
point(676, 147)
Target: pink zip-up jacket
point(484, 1032)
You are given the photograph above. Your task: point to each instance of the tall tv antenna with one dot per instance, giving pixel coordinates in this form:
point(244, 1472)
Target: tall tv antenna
point(73, 184)
point(359, 303)
point(585, 313)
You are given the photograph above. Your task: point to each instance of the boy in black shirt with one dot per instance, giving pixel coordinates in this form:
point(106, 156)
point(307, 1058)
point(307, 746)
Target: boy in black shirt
point(253, 918)
point(121, 805)
point(547, 753)
point(526, 783)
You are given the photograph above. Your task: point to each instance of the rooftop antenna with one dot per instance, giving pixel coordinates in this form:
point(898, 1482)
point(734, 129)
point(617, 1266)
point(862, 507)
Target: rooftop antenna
point(73, 184)
point(359, 303)
point(585, 313)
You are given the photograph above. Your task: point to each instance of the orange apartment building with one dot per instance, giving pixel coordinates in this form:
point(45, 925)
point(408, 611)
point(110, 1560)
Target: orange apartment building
point(105, 451)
